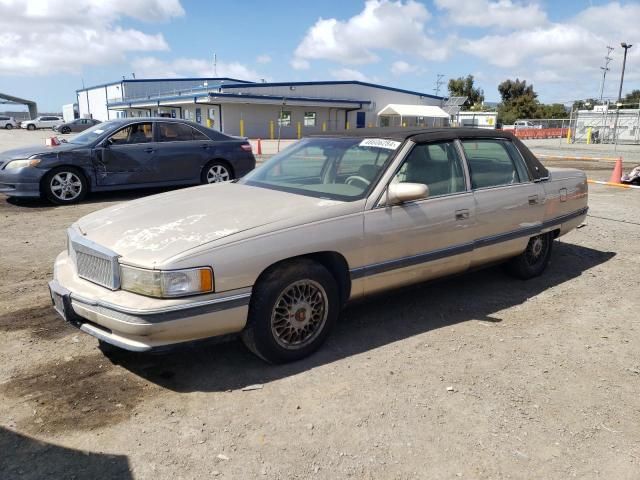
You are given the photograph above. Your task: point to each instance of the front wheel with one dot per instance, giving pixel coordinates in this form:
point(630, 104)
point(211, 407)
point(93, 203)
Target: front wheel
point(64, 185)
point(534, 260)
point(216, 172)
point(31, 126)
point(292, 310)
point(65, 130)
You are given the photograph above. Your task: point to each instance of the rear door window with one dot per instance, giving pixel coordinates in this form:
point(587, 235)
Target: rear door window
point(491, 165)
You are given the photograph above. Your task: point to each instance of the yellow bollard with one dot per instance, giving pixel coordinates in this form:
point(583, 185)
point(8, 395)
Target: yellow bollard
point(347, 126)
point(208, 123)
point(370, 125)
point(568, 135)
point(589, 136)
point(324, 126)
point(271, 129)
point(242, 127)
point(299, 130)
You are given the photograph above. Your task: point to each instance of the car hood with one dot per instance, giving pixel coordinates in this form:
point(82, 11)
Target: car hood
point(150, 231)
point(26, 152)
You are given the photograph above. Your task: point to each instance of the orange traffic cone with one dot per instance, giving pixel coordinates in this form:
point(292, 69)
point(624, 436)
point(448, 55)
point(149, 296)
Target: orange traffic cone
point(616, 175)
point(259, 152)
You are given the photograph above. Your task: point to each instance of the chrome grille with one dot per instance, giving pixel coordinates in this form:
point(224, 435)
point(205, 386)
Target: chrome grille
point(94, 262)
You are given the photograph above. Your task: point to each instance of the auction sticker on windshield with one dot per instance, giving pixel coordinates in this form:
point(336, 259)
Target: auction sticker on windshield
point(380, 143)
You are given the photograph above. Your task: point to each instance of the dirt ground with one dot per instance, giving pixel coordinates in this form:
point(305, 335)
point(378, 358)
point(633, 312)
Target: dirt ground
point(477, 376)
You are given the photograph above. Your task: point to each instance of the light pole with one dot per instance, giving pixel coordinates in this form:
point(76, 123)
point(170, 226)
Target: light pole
point(626, 47)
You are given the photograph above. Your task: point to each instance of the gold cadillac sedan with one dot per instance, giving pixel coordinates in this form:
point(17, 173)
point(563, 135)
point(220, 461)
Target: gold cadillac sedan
point(276, 255)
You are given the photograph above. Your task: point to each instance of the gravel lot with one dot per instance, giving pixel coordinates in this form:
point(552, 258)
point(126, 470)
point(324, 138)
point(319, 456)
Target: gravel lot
point(478, 376)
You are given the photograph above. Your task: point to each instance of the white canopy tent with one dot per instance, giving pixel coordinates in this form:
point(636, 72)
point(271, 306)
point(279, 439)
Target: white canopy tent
point(412, 115)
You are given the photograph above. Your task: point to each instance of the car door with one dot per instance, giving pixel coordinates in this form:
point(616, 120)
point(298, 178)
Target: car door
point(127, 156)
point(509, 205)
point(181, 153)
point(421, 239)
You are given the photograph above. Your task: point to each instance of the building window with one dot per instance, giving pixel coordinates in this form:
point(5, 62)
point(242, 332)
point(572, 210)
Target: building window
point(309, 119)
point(285, 119)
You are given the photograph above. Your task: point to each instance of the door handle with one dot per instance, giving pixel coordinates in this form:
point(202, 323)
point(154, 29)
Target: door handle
point(533, 199)
point(462, 214)
point(148, 150)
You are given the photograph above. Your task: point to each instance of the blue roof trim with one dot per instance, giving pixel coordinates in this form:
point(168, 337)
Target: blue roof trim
point(238, 96)
point(187, 79)
point(334, 82)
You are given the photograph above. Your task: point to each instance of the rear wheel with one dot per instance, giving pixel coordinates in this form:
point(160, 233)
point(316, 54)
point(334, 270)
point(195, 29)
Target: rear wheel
point(534, 260)
point(8, 126)
point(216, 172)
point(64, 185)
point(292, 310)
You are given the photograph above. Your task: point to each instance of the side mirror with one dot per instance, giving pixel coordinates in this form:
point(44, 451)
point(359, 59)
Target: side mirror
point(398, 193)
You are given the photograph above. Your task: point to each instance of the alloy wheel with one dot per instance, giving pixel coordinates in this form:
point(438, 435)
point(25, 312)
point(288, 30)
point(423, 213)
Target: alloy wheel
point(217, 174)
point(299, 314)
point(66, 186)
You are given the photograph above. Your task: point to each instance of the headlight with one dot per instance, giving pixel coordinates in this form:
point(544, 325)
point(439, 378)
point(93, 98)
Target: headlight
point(27, 162)
point(167, 283)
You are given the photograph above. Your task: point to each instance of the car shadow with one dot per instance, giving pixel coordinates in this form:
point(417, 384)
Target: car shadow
point(93, 197)
point(363, 326)
point(27, 458)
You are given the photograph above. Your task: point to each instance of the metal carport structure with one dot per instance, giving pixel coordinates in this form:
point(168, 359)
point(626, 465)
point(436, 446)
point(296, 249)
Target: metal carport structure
point(11, 100)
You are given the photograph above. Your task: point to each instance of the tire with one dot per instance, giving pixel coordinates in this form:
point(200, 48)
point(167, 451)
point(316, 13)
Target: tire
point(283, 303)
point(31, 126)
point(64, 185)
point(216, 171)
point(65, 130)
point(534, 260)
point(8, 126)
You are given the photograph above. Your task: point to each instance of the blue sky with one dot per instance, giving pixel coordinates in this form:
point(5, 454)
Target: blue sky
point(48, 48)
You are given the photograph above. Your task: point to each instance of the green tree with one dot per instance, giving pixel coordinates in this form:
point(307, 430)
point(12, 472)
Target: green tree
point(585, 104)
point(519, 101)
point(554, 110)
point(463, 87)
point(631, 100)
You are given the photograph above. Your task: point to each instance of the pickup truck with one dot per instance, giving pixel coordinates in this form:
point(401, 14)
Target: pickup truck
point(276, 255)
point(521, 124)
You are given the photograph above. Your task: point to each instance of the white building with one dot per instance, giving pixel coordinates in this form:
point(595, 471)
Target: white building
point(256, 110)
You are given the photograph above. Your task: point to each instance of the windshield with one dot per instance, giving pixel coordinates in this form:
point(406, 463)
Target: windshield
point(90, 135)
point(333, 168)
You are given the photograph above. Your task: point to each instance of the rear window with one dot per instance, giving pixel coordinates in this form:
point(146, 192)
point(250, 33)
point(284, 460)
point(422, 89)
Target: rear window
point(491, 165)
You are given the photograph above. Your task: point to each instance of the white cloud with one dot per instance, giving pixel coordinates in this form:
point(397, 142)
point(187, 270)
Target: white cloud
point(401, 67)
point(382, 25)
point(192, 67)
point(349, 74)
point(299, 64)
point(500, 13)
point(39, 37)
point(263, 59)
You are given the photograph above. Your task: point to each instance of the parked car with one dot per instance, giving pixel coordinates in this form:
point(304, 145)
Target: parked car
point(77, 125)
point(7, 122)
point(42, 122)
point(332, 218)
point(124, 154)
point(526, 124)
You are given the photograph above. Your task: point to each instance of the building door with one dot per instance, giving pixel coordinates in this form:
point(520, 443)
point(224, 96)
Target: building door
point(360, 119)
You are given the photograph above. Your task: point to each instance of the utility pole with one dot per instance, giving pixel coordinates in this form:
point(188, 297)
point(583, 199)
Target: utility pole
point(439, 83)
point(605, 69)
point(215, 65)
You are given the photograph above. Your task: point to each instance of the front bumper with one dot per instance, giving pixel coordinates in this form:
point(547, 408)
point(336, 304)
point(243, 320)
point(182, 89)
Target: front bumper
point(21, 182)
point(138, 323)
